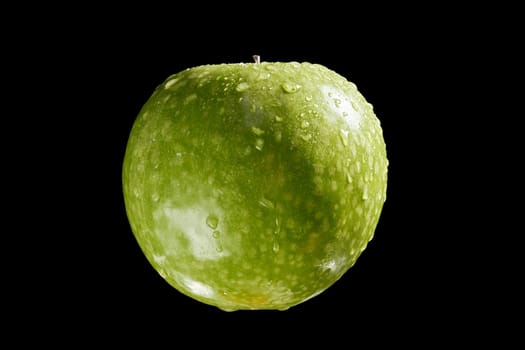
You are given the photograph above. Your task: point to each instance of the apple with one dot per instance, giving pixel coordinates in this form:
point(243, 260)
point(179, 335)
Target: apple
point(254, 186)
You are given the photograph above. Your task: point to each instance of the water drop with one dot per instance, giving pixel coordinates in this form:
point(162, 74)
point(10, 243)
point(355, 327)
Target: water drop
point(265, 202)
point(308, 98)
point(345, 114)
point(263, 76)
point(219, 249)
point(277, 227)
point(275, 246)
point(212, 221)
point(155, 197)
point(354, 106)
point(259, 144)
point(290, 88)
point(170, 83)
point(349, 178)
point(337, 102)
point(365, 194)
point(216, 234)
point(305, 124)
point(306, 137)
point(278, 119)
point(257, 131)
point(344, 136)
point(242, 86)
point(190, 98)
point(227, 309)
point(270, 67)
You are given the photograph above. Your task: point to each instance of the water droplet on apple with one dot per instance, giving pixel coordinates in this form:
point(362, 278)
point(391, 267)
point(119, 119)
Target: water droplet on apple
point(227, 309)
point(259, 144)
point(257, 131)
point(290, 88)
point(263, 76)
point(308, 98)
point(155, 197)
point(306, 137)
point(305, 124)
point(343, 135)
point(170, 83)
point(190, 99)
point(337, 102)
point(275, 246)
point(212, 221)
point(216, 234)
point(278, 119)
point(277, 226)
point(349, 178)
point(365, 194)
point(354, 106)
point(243, 86)
point(265, 202)
point(219, 249)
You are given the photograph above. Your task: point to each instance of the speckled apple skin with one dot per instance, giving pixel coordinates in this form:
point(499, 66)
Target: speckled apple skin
point(254, 186)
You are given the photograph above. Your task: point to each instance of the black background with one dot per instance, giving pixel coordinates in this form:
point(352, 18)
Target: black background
point(422, 279)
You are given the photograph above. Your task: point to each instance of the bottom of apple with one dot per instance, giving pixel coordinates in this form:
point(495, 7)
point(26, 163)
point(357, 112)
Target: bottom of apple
point(230, 309)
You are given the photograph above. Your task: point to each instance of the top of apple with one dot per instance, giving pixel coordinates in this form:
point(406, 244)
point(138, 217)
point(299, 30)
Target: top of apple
point(301, 95)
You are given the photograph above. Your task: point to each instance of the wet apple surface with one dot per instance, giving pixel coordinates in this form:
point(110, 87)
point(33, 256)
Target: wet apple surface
point(254, 186)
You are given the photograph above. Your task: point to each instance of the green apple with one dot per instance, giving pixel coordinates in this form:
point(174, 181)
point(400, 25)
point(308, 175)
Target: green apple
point(254, 185)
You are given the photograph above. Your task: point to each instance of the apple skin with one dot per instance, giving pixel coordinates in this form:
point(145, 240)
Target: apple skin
point(254, 186)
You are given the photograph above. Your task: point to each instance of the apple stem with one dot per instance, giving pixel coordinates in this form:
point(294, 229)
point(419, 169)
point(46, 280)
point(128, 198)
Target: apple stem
point(257, 58)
